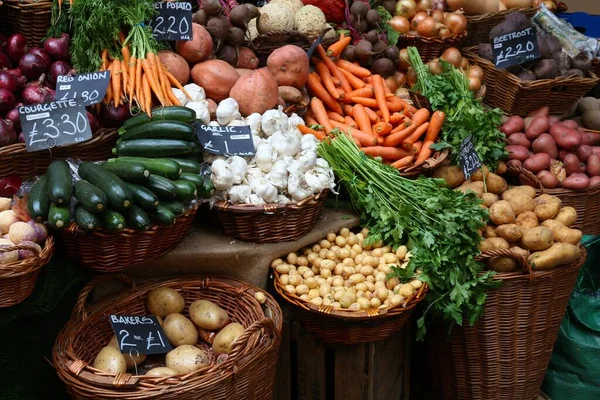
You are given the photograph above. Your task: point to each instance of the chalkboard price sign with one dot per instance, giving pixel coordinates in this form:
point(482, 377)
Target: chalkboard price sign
point(468, 157)
point(515, 48)
point(90, 87)
point(54, 124)
point(227, 140)
point(139, 334)
point(173, 22)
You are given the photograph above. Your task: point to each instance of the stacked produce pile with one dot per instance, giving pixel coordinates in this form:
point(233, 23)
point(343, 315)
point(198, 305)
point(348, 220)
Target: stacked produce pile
point(426, 19)
point(17, 228)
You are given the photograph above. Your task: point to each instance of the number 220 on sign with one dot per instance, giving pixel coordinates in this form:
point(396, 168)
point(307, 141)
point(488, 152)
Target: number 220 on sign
point(518, 50)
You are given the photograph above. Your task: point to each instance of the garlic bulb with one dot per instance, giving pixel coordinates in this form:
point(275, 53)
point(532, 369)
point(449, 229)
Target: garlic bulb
point(221, 176)
point(286, 143)
point(238, 167)
point(298, 188)
point(254, 120)
point(306, 160)
point(254, 199)
point(265, 189)
point(252, 174)
point(278, 174)
point(227, 111)
point(181, 97)
point(239, 193)
point(273, 121)
point(201, 109)
point(294, 120)
point(264, 157)
point(196, 92)
point(282, 199)
point(309, 142)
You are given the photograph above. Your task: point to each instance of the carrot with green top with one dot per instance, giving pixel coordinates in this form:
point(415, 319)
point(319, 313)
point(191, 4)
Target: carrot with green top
point(403, 162)
point(435, 126)
point(306, 130)
point(425, 153)
point(364, 138)
point(387, 153)
point(380, 97)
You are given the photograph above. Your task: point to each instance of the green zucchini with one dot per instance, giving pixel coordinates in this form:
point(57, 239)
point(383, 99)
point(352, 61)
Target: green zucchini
point(164, 188)
point(154, 148)
point(130, 172)
point(143, 197)
point(208, 189)
point(137, 218)
point(188, 165)
point(196, 179)
point(166, 167)
point(60, 183)
point(113, 221)
point(91, 198)
point(118, 195)
point(174, 113)
point(38, 202)
point(196, 148)
point(59, 216)
point(85, 219)
point(176, 207)
point(161, 130)
point(186, 190)
point(164, 216)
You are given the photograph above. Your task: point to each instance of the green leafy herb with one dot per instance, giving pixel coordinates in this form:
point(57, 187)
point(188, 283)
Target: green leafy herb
point(392, 35)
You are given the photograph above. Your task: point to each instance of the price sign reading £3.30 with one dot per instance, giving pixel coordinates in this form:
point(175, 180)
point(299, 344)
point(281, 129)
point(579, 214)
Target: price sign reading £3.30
point(173, 22)
point(139, 334)
point(515, 48)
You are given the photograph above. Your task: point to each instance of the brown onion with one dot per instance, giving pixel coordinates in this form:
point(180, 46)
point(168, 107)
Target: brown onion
point(438, 15)
point(403, 60)
point(400, 78)
point(453, 56)
point(474, 84)
point(416, 20)
point(445, 33)
point(429, 27)
point(476, 71)
point(403, 93)
point(406, 8)
point(456, 22)
point(435, 67)
point(464, 64)
point(411, 76)
point(424, 5)
point(392, 84)
point(400, 24)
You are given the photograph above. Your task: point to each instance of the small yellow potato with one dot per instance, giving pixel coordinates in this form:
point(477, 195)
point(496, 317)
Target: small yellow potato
point(406, 290)
point(396, 300)
point(416, 284)
point(325, 244)
point(163, 301)
point(110, 360)
point(223, 342)
point(260, 297)
point(401, 252)
point(567, 215)
point(313, 293)
point(331, 237)
point(375, 302)
point(311, 282)
point(392, 282)
point(317, 301)
point(296, 280)
point(187, 358)
point(283, 269)
point(276, 262)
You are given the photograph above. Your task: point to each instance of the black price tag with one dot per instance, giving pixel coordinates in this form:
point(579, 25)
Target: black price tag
point(312, 48)
point(139, 334)
point(227, 140)
point(173, 22)
point(468, 157)
point(54, 124)
point(90, 87)
point(515, 48)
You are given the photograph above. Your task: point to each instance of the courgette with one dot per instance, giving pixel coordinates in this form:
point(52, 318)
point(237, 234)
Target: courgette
point(161, 130)
point(208, 189)
point(91, 198)
point(38, 202)
point(130, 172)
point(196, 148)
point(194, 178)
point(137, 218)
point(85, 219)
point(167, 167)
point(113, 221)
point(176, 207)
point(188, 165)
point(174, 113)
point(143, 197)
point(118, 195)
point(60, 183)
point(163, 216)
point(154, 148)
point(164, 188)
point(186, 190)
point(59, 216)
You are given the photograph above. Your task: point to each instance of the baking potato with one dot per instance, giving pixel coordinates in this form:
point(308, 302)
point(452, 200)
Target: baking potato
point(452, 174)
point(489, 231)
point(208, 315)
point(509, 232)
point(536, 239)
point(476, 187)
point(480, 174)
point(547, 210)
point(546, 198)
point(521, 251)
point(223, 342)
point(502, 264)
point(187, 358)
point(521, 203)
point(493, 243)
point(527, 219)
point(130, 359)
point(526, 190)
point(566, 215)
point(501, 168)
point(557, 254)
point(160, 372)
point(180, 330)
point(495, 183)
point(502, 212)
point(164, 301)
point(561, 233)
point(110, 360)
point(489, 199)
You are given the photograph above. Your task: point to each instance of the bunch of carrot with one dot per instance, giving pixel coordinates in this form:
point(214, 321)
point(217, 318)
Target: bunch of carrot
point(350, 98)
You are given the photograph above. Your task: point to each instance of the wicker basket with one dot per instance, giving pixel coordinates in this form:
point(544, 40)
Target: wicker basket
point(15, 160)
point(515, 97)
point(17, 279)
point(430, 48)
point(265, 43)
point(248, 373)
point(349, 326)
point(29, 17)
point(506, 353)
point(430, 165)
point(270, 223)
point(113, 252)
point(481, 25)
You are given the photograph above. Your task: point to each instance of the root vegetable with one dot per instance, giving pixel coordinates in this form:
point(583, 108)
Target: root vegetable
point(558, 254)
point(545, 144)
point(199, 48)
point(290, 66)
point(502, 212)
point(527, 220)
point(536, 239)
point(180, 330)
point(164, 301)
point(510, 232)
point(577, 181)
point(247, 59)
point(208, 315)
point(563, 234)
point(110, 360)
point(161, 372)
point(176, 65)
point(216, 77)
point(187, 358)
point(567, 216)
point(223, 342)
point(502, 264)
point(526, 190)
point(131, 360)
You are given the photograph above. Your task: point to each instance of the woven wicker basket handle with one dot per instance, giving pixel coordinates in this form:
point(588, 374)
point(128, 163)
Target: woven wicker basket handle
point(246, 341)
point(521, 261)
point(35, 250)
point(527, 174)
point(79, 310)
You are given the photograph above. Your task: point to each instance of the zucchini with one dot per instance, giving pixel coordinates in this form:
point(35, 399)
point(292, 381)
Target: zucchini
point(154, 148)
point(118, 195)
point(130, 172)
point(137, 218)
point(188, 165)
point(186, 190)
point(164, 216)
point(176, 207)
point(143, 197)
point(208, 189)
point(85, 219)
point(113, 221)
point(38, 202)
point(166, 167)
point(174, 113)
point(91, 198)
point(60, 183)
point(59, 216)
point(194, 178)
point(164, 188)
point(196, 148)
point(161, 130)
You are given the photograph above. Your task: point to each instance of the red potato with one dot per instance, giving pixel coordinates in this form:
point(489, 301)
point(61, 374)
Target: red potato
point(538, 126)
point(548, 179)
point(540, 112)
point(590, 138)
point(583, 152)
point(596, 149)
point(594, 181)
point(290, 65)
point(583, 168)
point(571, 164)
point(576, 181)
point(519, 139)
point(545, 144)
point(566, 138)
point(527, 121)
point(593, 165)
point(537, 162)
point(512, 125)
point(570, 124)
point(515, 163)
point(517, 152)
point(247, 59)
point(553, 119)
point(563, 153)
point(526, 181)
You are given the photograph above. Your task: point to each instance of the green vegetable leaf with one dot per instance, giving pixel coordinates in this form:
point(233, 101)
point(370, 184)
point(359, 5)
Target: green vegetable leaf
point(392, 35)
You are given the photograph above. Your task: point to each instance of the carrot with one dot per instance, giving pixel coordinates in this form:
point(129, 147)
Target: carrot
point(350, 122)
point(104, 59)
point(176, 83)
point(363, 92)
point(417, 147)
point(354, 69)
point(165, 83)
point(382, 128)
point(152, 81)
point(380, 97)
point(380, 140)
point(362, 118)
point(318, 109)
point(364, 138)
point(388, 153)
point(424, 154)
point(403, 162)
point(335, 71)
point(310, 120)
point(336, 49)
point(335, 116)
point(347, 109)
point(420, 131)
point(395, 138)
point(372, 115)
point(138, 82)
point(420, 117)
point(319, 91)
point(326, 79)
point(116, 81)
point(152, 62)
point(397, 118)
point(147, 95)
point(354, 81)
point(365, 101)
point(306, 130)
point(435, 126)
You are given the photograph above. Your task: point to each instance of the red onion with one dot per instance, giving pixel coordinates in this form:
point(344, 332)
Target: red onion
point(58, 48)
point(40, 52)
point(57, 69)
point(7, 100)
point(33, 65)
point(4, 61)
point(9, 185)
point(113, 117)
point(3, 39)
point(10, 82)
point(16, 47)
point(36, 92)
point(21, 137)
point(94, 124)
point(13, 116)
point(7, 133)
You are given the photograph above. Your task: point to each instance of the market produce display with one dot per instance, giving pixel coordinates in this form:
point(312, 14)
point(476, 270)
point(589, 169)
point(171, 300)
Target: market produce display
point(17, 229)
point(424, 18)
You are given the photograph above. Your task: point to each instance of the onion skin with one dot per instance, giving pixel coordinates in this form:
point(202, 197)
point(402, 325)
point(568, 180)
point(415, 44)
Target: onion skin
point(474, 84)
point(57, 69)
point(13, 116)
point(40, 52)
point(399, 24)
point(4, 61)
point(429, 27)
point(7, 100)
point(112, 117)
point(37, 93)
point(456, 23)
point(453, 56)
point(58, 48)
point(416, 20)
point(435, 67)
point(10, 82)
point(16, 47)
point(406, 8)
point(476, 71)
point(33, 66)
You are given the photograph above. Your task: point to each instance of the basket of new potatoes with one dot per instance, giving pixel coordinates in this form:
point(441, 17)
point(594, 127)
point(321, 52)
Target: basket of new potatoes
point(341, 289)
point(225, 336)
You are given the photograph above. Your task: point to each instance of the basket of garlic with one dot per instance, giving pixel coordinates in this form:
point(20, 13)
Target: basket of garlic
point(278, 193)
point(341, 289)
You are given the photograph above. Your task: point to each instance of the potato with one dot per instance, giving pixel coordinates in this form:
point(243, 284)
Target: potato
point(519, 139)
point(452, 174)
point(557, 254)
point(547, 210)
point(489, 199)
point(349, 297)
point(521, 203)
point(110, 360)
point(536, 239)
point(502, 264)
point(164, 301)
point(526, 190)
point(577, 181)
point(509, 232)
point(476, 187)
point(516, 152)
point(6, 201)
point(489, 232)
point(521, 251)
point(180, 330)
point(130, 359)
point(567, 216)
point(208, 315)
point(502, 212)
point(480, 174)
point(187, 358)
point(561, 233)
point(223, 342)
point(528, 219)
point(538, 162)
point(160, 372)
point(537, 126)
point(494, 243)
point(501, 168)
point(495, 183)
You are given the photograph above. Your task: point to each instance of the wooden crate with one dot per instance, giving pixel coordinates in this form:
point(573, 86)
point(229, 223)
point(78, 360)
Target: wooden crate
point(310, 370)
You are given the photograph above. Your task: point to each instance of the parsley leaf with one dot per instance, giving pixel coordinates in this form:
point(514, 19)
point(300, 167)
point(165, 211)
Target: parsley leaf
point(392, 35)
